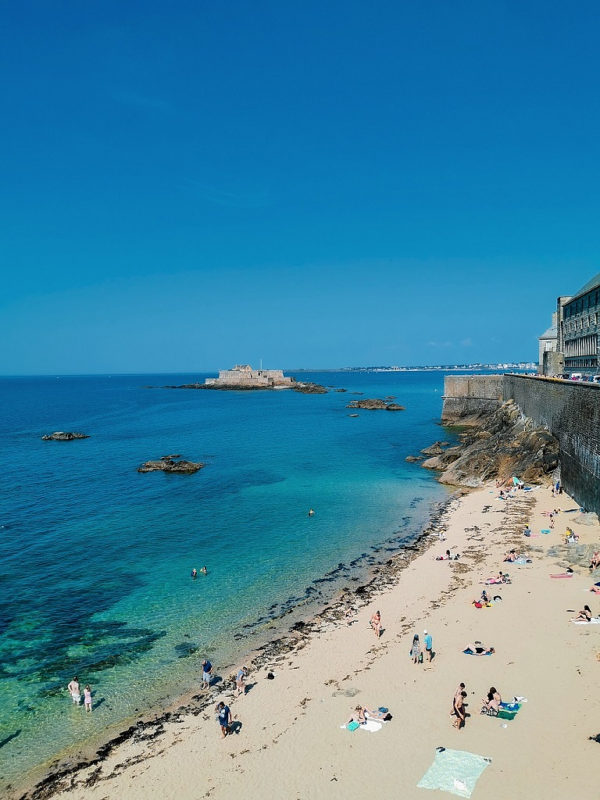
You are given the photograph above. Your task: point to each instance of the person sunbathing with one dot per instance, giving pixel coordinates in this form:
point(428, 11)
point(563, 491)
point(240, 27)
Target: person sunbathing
point(511, 556)
point(595, 561)
point(492, 702)
point(478, 649)
point(584, 615)
point(499, 578)
point(362, 714)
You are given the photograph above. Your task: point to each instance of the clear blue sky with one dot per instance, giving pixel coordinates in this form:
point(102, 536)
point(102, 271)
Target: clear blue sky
point(187, 185)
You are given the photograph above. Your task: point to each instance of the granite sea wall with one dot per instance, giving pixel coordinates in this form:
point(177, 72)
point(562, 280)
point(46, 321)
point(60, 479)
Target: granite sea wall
point(570, 411)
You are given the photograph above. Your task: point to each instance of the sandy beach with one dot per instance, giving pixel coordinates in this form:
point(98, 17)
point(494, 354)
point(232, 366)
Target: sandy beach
point(287, 740)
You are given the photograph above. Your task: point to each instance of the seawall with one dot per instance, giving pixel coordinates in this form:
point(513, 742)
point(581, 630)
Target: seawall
point(569, 410)
point(468, 396)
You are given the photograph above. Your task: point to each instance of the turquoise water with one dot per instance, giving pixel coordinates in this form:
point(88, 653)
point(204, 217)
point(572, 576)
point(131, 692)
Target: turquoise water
point(95, 558)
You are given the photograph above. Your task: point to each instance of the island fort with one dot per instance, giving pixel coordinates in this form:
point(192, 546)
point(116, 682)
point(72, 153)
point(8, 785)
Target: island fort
point(242, 375)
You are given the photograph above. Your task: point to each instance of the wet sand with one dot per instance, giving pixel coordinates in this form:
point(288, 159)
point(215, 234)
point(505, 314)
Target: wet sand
point(288, 742)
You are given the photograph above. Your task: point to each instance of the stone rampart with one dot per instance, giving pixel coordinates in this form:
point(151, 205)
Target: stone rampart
point(468, 396)
point(569, 410)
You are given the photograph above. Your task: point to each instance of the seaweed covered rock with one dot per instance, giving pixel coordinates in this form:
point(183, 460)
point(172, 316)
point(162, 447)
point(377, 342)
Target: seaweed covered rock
point(373, 404)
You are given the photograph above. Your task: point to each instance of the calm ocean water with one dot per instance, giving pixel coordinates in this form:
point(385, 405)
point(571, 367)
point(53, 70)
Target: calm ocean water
point(95, 558)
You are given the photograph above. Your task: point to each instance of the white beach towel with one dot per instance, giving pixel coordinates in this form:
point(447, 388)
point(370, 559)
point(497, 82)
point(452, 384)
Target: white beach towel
point(592, 621)
point(372, 726)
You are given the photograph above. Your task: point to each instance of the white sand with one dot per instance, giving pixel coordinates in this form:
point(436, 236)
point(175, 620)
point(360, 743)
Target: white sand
point(290, 744)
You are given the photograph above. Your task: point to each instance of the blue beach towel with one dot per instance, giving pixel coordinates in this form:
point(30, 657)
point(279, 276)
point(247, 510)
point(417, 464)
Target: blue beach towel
point(454, 771)
point(469, 652)
point(545, 530)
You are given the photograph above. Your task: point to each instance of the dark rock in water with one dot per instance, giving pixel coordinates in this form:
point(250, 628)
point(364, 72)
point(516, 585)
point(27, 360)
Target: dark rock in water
point(373, 404)
point(341, 390)
point(505, 443)
point(168, 464)
point(173, 455)
point(64, 436)
point(413, 458)
point(309, 388)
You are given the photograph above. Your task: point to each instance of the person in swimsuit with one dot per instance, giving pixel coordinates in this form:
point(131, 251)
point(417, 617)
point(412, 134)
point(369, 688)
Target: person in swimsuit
point(240, 681)
point(511, 556)
point(87, 698)
point(492, 701)
point(595, 560)
point(204, 570)
point(479, 649)
point(375, 623)
point(459, 710)
point(74, 690)
point(194, 573)
point(584, 615)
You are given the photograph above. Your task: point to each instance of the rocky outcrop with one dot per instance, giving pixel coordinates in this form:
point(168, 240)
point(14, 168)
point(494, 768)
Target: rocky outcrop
point(64, 436)
point(169, 464)
point(373, 404)
point(412, 459)
point(309, 388)
point(504, 444)
point(436, 449)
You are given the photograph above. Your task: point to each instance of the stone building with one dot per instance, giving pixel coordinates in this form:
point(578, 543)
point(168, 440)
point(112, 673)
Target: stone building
point(548, 344)
point(242, 375)
point(578, 329)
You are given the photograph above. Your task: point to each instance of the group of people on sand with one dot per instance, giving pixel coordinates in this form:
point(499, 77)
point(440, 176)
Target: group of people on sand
point(75, 692)
point(416, 650)
point(448, 557)
point(223, 711)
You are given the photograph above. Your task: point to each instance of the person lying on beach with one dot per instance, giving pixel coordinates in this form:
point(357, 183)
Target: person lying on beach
point(375, 623)
point(584, 615)
point(362, 713)
point(445, 557)
point(478, 649)
point(595, 560)
point(499, 578)
point(492, 701)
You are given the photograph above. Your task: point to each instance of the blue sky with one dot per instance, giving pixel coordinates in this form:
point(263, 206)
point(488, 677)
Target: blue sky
point(190, 185)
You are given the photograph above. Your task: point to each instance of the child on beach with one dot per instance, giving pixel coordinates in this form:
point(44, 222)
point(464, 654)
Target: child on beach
point(87, 698)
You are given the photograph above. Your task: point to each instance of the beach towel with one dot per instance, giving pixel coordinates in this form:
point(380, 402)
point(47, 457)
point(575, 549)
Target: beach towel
point(454, 771)
point(510, 706)
point(545, 530)
point(371, 726)
point(592, 621)
point(521, 560)
point(562, 575)
point(351, 726)
point(469, 652)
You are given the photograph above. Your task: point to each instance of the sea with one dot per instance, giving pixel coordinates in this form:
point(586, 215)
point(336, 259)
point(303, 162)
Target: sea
point(96, 558)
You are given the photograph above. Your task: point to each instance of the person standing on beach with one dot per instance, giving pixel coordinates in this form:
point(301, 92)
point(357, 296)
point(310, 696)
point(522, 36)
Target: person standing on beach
point(74, 690)
point(376, 623)
point(428, 640)
point(87, 698)
point(415, 650)
point(206, 673)
point(459, 710)
point(240, 681)
point(223, 718)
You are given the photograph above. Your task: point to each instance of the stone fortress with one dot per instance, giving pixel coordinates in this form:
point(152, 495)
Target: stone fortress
point(243, 376)
point(572, 342)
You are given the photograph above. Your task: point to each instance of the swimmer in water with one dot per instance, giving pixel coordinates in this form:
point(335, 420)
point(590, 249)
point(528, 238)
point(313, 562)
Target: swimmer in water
point(311, 513)
point(204, 570)
point(194, 573)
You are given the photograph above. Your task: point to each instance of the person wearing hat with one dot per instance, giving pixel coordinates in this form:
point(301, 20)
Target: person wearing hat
point(428, 641)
